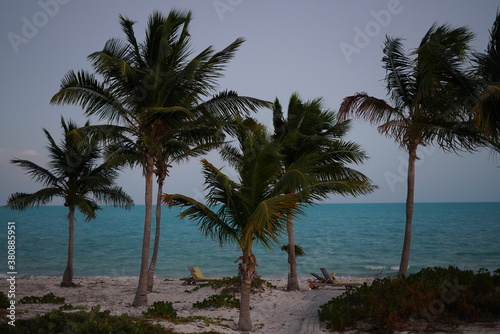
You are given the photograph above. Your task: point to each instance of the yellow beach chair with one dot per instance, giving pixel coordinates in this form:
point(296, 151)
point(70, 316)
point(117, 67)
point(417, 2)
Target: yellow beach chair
point(196, 276)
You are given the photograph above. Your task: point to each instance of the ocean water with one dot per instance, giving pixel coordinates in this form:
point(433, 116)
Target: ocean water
point(355, 240)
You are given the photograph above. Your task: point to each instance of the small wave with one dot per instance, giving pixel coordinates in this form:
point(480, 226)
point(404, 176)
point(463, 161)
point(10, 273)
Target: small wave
point(375, 267)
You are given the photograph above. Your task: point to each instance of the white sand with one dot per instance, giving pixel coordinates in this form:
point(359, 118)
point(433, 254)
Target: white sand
point(273, 311)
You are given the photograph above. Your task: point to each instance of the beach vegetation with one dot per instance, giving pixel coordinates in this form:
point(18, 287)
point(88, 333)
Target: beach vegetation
point(161, 309)
point(431, 96)
point(165, 310)
point(218, 301)
point(70, 307)
point(78, 174)
point(232, 285)
point(422, 301)
point(313, 149)
point(49, 298)
point(4, 301)
point(249, 210)
point(163, 104)
point(81, 322)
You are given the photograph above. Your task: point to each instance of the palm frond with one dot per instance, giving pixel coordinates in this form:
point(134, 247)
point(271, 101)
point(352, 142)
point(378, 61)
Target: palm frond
point(268, 220)
point(21, 201)
point(82, 88)
point(369, 108)
point(37, 173)
point(399, 73)
point(209, 222)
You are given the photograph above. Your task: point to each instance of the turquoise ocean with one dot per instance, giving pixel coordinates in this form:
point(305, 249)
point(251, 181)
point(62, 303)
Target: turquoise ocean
point(355, 240)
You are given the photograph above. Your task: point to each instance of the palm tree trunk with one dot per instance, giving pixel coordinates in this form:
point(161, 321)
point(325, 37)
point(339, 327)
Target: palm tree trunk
point(410, 203)
point(247, 272)
point(68, 272)
point(152, 265)
point(293, 280)
point(141, 295)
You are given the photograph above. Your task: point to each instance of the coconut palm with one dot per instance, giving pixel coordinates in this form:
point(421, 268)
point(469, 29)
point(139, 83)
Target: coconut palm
point(312, 144)
point(427, 106)
point(250, 210)
point(77, 177)
point(487, 70)
point(151, 90)
point(176, 149)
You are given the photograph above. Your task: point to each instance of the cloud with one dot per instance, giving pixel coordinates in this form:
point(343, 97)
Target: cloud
point(29, 152)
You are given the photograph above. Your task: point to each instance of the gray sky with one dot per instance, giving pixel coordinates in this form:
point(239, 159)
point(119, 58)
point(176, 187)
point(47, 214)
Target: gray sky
point(318, 48)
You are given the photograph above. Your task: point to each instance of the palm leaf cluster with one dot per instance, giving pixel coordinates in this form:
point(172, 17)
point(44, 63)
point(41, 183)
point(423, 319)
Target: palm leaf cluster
point(314, 149)
point(487, 71)
point(250, 208)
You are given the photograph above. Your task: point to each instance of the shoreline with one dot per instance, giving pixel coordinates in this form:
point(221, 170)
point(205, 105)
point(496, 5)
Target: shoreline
point(273, 311)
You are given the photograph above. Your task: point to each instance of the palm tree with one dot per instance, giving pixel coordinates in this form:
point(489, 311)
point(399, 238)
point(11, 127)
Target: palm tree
point(427, 95)
point(250, 210)
point(151, 90)
point(487, 69)
point(312, 144)
point(76, 176)
point(176, 149)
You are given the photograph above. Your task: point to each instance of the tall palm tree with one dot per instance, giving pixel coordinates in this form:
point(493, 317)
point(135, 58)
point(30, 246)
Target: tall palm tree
point(487, 69)
point(176, 149)
point(252, 209)
point(77, 177)
point(427, 103)
point(151, 89)
point(312, 143)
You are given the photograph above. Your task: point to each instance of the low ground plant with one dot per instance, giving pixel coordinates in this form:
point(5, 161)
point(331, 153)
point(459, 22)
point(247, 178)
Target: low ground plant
point(4, 301)
point(80, 322)
point(49, 298)
point(431, 297)
point(165, 310)
point(232, 285)
point(219, 301)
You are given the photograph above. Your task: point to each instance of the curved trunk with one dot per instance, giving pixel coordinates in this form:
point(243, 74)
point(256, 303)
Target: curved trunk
point(293, 280)
point(152, 265)
point(410, 202)
point(246, 270)
point(141, 295)
point(68, 272)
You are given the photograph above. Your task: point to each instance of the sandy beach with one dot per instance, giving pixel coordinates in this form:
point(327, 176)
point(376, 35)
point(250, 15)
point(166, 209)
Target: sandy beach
point(273, 311)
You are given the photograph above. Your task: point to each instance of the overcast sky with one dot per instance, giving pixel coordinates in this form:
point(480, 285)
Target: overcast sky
point(327, 48)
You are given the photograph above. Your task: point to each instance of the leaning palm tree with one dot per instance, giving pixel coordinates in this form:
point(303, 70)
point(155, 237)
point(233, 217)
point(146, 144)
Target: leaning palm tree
point(312, 144)
point(177, 148)
point(252, 209)
point(77, 177)
point(487, 70)
point(151, 90)
point(427, 103)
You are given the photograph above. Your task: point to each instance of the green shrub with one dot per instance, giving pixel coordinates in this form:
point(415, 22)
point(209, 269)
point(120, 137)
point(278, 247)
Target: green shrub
point(4, 301)
point(232, 284)
point(81, 322)
point(49, 298)
point(163, 310)
point(431, 296)
point(70, 307)
point(218, 301)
